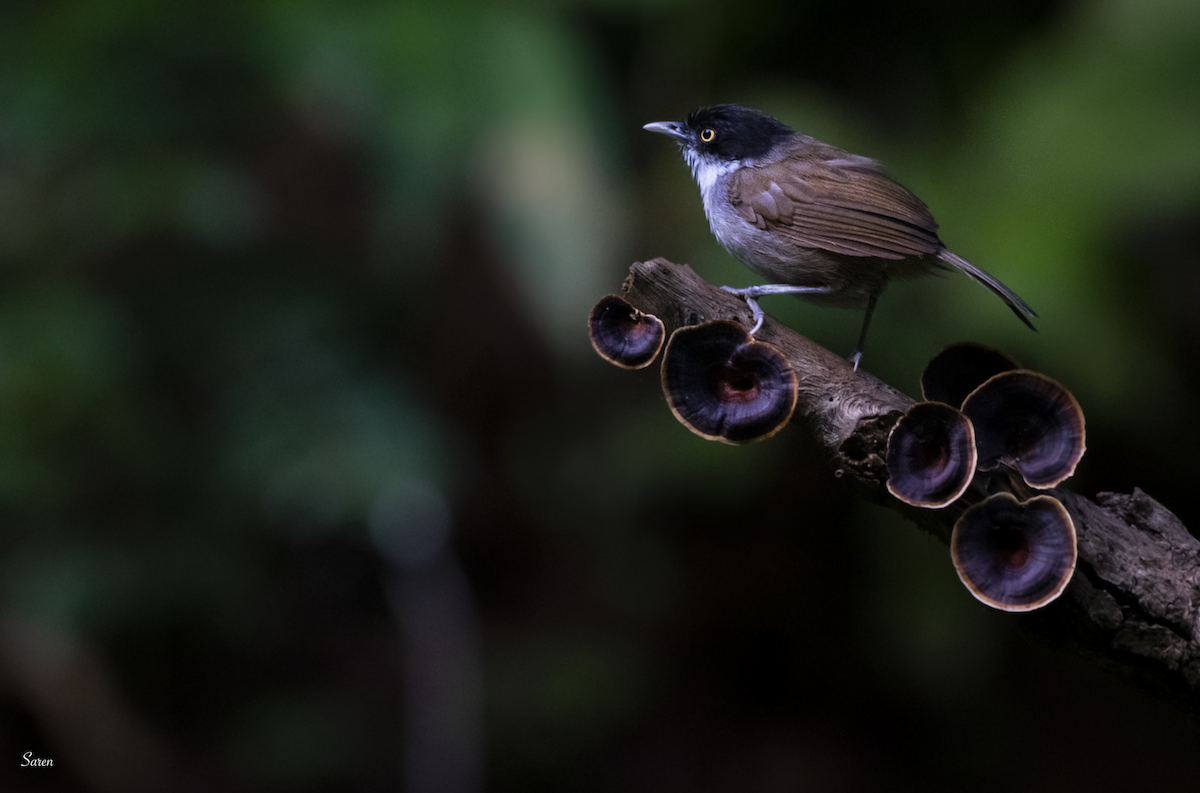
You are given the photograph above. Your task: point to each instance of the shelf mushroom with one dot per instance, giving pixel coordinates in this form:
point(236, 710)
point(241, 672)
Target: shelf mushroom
point(1028, 422)
point(931, 455)
point(723, 385)
point(1015, 556)
point(959, 369)
point(624, 336)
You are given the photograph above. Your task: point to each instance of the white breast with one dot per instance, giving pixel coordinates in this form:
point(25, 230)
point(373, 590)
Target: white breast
point(713, 177)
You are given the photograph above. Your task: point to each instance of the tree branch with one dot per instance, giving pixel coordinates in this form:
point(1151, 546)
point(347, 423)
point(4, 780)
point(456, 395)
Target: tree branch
point(1134, 602)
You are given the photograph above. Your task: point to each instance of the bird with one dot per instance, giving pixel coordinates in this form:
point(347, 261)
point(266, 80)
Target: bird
point(812, 219)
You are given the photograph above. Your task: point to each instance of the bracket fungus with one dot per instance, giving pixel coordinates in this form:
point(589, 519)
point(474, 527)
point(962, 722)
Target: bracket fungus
point(1012, 555)
point(723, 385)
point(624, 336)
point(931, 455)
point(1028, 422)
point(959, 369)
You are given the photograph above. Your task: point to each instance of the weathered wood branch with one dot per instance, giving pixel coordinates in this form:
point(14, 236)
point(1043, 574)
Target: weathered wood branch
point(1134, 602)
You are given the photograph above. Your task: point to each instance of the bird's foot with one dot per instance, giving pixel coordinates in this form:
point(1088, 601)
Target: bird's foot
point(751, 294)
point(855, 358)
point(751, 297)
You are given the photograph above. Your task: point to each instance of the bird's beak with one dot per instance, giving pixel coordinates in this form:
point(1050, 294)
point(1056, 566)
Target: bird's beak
point(670, 128)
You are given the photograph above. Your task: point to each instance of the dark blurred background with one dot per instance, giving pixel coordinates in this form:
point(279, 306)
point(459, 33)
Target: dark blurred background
point(309, 480)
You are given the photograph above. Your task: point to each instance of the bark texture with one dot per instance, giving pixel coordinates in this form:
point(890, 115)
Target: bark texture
point(1134, 602)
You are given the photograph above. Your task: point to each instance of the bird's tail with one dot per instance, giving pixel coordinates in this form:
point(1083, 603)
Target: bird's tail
point(1011, 298)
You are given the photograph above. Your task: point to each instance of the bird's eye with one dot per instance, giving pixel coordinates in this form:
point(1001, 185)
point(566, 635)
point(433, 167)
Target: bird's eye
point(707, 134)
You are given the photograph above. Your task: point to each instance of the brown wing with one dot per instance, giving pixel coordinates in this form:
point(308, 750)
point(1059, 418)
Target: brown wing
point(844, 204)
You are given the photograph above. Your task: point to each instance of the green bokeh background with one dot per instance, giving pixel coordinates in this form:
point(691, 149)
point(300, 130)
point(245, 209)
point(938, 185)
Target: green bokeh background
point(309, 480)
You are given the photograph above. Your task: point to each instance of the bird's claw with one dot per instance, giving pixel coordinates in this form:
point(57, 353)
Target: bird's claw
point(750, 296)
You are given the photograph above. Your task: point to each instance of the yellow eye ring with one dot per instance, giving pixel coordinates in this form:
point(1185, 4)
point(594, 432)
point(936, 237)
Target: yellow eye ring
point(707, 134)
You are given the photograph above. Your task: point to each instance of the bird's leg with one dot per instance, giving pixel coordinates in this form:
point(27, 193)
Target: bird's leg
point(751, 294)
point(862, 336)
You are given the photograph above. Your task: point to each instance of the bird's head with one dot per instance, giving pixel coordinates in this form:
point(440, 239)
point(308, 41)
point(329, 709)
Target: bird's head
point(724, 133)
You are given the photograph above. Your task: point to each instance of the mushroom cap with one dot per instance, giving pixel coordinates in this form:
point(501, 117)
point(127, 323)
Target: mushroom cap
point(624, 336)
point(723, 385)
point(1028, 422)
point(931, 455)
point(1015, 556)
point(959, 369)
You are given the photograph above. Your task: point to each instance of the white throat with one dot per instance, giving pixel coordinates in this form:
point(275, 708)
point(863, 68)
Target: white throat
point(708, 171)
